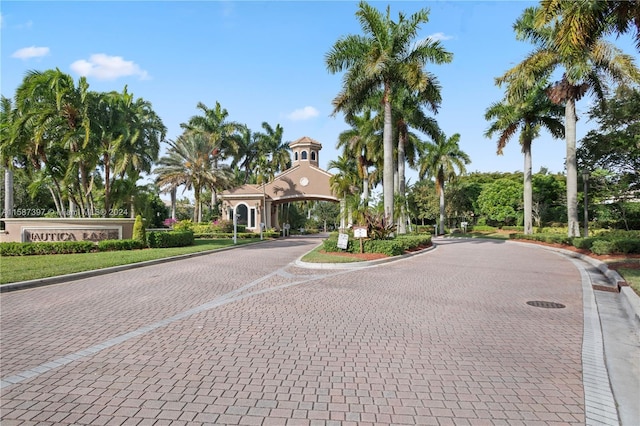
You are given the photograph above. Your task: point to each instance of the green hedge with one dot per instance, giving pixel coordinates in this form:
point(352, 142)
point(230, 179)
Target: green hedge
point(63, 247)
point(170, 239)
point(113, 245)
point(482, 228)
point(609, 242)
point(392, 247)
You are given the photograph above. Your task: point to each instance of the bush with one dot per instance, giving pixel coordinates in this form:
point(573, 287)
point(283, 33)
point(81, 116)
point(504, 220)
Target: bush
point(183, 225)
point(222, 226)
point(170, 239)
point(583, 243)
point(393, 247)
point(113, 245)
point(62, 247)
point(603, 247)
point(139, 233)
point(482, 228)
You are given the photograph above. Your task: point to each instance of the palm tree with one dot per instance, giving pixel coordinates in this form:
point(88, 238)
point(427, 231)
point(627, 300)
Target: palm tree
point(583, 22)
point(386, 55)
point(189, 162)
point(534, 112)
point(271, 146)
point(344, 182)
point(220, 133)
point(7, 119)
point(247, 153)
point(586, 69)
point(361, 141)
point(52, 120)
point(441, 160)
point(408, 112)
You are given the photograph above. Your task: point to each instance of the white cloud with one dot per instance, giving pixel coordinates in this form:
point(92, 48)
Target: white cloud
point(439, 37)
point(30, 52)
point(303, 114)
point(105, 67)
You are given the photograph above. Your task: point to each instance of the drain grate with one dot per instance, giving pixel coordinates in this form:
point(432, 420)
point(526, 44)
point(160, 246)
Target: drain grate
point(542, 304)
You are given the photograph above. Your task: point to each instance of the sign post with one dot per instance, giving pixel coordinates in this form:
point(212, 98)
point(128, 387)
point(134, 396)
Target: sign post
point(360, 232)
point(343, 241)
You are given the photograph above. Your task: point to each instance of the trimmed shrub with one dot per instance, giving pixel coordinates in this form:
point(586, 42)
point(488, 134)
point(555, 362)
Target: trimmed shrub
point(583, 243)
point(62, 247)
point(113, 245)
point(482, 228)
point(139, 232)
point(603, 247)
point(170, 239)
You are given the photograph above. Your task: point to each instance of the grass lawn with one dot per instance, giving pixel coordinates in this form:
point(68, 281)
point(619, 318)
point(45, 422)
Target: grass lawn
point(23, 268)
point(632, 277)
point(315, 256)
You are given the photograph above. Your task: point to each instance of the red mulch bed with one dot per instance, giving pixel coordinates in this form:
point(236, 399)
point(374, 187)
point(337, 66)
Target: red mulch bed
point(613, 261)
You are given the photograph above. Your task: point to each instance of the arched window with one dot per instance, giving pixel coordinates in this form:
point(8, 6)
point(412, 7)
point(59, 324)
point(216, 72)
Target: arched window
point(295, 156)
point(313, 156)
point(304, 155)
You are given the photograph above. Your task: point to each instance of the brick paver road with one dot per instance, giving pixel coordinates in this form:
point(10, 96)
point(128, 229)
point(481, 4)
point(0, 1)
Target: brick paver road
point(246, 337)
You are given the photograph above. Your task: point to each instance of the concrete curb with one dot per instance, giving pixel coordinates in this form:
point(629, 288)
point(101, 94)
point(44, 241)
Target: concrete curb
point(359, 265)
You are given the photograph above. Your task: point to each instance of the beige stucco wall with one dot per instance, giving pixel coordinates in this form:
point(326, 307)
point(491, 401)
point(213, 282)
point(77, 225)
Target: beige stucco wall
point(60, 229)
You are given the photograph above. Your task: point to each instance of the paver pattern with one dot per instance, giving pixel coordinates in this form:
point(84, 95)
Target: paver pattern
point(445, 337)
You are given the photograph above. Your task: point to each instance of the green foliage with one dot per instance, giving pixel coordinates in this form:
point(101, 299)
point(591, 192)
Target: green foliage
point(183, 225)
point(113, 245)
point(63, 247)
point(163, 239)
point(392, 247)
point(483, 228)
point(603, 247)
point(378, 227)
point(222, 226)
point(139, 231)
point(501, 200)
point(583, 243)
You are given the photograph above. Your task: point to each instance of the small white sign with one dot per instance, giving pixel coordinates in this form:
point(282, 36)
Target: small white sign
point(343, 240)
point(360, 232)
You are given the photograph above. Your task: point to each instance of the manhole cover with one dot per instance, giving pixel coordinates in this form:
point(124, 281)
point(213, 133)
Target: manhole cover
point(542, 304)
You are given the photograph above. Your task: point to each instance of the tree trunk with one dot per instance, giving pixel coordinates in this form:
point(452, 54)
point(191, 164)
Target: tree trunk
point(388, 166)
point(572, 168)
point(441, 188)
point(8, 192)
point(528, 192)
point(107, 185)
point(173, 202)
point(343, 213)
point(402, 222)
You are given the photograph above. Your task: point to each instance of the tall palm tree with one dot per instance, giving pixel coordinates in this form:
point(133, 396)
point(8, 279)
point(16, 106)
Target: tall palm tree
point(363, 142)
point(528, 116)
point(443, 160)
point(583, 22)
point(7, 154)
point(408, 113)
point(220, 133)
point(52, 118)
point(386, 55)
point(189, 162)
point(585, 69)
point(247, 153)
point(271, 146)
point(344, 183)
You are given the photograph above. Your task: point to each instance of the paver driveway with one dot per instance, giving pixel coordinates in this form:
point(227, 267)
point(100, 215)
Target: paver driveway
point(246, 337)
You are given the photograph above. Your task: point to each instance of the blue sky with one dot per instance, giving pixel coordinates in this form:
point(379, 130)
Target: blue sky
point(264, 61)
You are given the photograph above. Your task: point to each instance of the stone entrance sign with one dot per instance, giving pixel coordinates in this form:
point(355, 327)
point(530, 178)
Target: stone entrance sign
point(53, 234)
point(70, 229)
